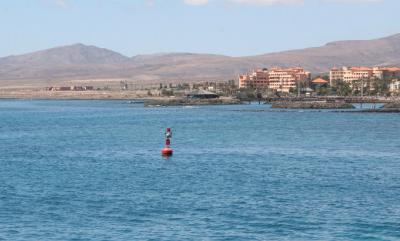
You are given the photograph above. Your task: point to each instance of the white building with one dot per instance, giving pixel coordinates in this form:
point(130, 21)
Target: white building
point(394, 87)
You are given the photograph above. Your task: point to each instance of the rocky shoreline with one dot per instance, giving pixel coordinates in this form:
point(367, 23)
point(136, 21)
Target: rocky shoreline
point(311, 105)
point(189, 102)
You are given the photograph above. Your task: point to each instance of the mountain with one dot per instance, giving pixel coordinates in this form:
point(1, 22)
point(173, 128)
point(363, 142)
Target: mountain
point(383, 51)
point(68, 55)
point(80, 61)
point(72, 61)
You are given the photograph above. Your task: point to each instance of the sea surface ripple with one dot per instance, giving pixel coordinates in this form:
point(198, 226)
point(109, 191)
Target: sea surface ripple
point(92, 170)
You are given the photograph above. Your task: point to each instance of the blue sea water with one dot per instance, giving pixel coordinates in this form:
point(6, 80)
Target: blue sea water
point(92, 170)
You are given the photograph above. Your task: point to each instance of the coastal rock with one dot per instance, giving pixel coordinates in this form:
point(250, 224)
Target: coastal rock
point(312, 105)
point(186, 102)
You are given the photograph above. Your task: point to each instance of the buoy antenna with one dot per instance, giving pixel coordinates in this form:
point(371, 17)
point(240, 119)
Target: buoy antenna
point(167, 151)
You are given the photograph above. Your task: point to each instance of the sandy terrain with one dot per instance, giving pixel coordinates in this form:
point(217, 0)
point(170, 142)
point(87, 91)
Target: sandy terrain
point(85, 95)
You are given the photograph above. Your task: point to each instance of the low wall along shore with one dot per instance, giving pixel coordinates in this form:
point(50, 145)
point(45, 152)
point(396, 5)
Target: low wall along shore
point(393, 107)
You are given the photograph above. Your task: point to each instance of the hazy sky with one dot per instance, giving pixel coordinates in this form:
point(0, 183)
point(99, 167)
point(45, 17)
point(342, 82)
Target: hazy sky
point(231, 27)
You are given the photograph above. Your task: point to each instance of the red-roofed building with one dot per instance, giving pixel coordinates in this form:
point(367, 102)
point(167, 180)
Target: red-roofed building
point(388, 72)
point(319, 81)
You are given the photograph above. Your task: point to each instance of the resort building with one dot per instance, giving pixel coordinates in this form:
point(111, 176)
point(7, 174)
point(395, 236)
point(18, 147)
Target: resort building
point(256, 79)
point(280, 79)
point(350, 74)
point(284, 79)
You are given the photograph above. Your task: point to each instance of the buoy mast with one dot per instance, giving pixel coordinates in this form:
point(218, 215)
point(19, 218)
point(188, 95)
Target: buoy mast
point(167, 151)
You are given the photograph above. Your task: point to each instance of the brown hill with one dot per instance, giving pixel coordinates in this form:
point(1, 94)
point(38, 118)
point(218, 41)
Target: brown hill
point(82, 62)
point(384, 51)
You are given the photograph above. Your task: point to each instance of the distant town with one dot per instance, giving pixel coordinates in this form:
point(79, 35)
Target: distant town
point(345, 81)
point(276, 82)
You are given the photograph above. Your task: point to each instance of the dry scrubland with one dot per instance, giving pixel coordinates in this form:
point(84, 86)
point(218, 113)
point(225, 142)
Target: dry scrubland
point(84, 95)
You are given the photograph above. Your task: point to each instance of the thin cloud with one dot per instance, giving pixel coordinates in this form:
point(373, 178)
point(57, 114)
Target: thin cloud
point(268, 2)
point(249, 2)
point(196, 2)
point(277, 2)
point(61, 3)
point(354, 1)
point(150, 3)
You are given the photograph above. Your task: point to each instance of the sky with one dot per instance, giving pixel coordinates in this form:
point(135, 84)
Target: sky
point(229, 27)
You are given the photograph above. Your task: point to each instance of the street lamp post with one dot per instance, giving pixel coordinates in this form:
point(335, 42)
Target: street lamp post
point(362, 91)
point(298, 89)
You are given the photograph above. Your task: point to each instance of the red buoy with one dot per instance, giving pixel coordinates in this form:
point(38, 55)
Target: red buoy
point(167, 151)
